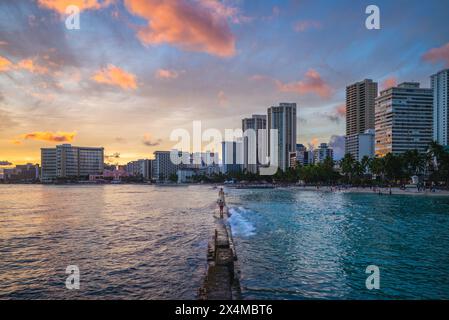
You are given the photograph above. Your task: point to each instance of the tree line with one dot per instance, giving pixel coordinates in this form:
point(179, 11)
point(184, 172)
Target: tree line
point(391, 169)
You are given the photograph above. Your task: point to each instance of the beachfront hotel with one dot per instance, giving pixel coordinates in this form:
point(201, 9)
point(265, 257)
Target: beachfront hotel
point(322, 153)
point(360, 102)
point(251, 159)
point(403, 119)
point(283, 118)
point(67, 161)
point(440, 87)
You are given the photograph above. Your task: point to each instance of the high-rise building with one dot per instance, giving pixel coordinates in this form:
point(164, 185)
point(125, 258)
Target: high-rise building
point(164, 168)
point(48, 164)
point(283, 119)
point(301, 154)
point(360, 113)
point(232, 154)
point(440, 87)
point(67, 161)
point(403, 119)
point(322, 153)
point(362, 144)
point(251, 145)
point(140, 168)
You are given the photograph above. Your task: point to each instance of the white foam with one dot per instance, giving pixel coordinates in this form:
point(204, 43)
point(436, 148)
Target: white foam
point(239, 225)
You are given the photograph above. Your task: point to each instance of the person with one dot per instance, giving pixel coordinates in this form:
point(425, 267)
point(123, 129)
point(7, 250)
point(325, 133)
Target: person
point(221, 205)
point(221, 201)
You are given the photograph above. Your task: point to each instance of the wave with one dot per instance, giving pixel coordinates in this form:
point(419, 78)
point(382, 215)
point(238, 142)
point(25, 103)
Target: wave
point(239, 225)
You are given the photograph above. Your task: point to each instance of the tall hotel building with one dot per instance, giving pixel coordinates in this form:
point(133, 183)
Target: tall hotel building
point(360, 114)
point(163, 166)
point(67, 161)
point(283, 118)
point(403, 119)
point(440, 87)
point(251, 152)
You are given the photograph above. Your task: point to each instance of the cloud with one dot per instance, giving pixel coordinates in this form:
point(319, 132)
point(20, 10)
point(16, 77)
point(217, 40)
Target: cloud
point(50, 136)
point(338, 144)
point(5, 64)
point(25, 64)
point(110, 157)
point(389, 83)
point(313, 143)
point(312, 83)
point(200, 26)
point(31, 66)
point(147, 140)
point(61, 5)
point(301, 26)
point(6, 122)
point(5, 163)
point(337, 114)
point(438, 54)
point(167, 74)
point(116, 76)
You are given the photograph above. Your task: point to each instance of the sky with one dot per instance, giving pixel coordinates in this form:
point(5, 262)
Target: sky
point(136, 70)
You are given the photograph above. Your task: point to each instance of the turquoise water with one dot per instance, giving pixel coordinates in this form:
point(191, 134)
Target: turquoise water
point(305, 245)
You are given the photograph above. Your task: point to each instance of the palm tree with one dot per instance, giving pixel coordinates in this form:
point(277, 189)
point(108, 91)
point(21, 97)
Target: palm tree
point(413, 162)
point(365, 163)
point(347, 165)
point(377, 167)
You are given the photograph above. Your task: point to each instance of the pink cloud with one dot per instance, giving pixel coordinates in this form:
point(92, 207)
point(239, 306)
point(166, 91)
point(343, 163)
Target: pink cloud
point(438, 54)
point(312, 83)
point(340, 110)
point(301, 26)
point(167, 74)
point(389, 83)
point(116, 76)
point(200, 26)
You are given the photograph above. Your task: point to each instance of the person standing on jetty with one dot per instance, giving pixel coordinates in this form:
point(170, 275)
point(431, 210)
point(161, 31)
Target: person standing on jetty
point(221, 201)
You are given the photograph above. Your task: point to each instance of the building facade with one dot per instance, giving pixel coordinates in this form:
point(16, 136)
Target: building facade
point(163, 166)
point(404, 117)
point(141, 168)
point(360, 113)
point(322, 153)
point(67, 161)
point(440, 86)
point(362, 144)
point(232, 156)
point(251, 144)
point(283, 119)
point(22, 173)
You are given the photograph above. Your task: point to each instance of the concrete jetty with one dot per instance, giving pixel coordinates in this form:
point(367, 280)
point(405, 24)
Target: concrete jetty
point(221, 281)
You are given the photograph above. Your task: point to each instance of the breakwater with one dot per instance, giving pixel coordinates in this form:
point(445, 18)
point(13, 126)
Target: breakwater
point(222, 276)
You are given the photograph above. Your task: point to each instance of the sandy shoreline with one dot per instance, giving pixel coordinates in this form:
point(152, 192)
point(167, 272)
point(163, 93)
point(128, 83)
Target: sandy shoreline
point(384, 191)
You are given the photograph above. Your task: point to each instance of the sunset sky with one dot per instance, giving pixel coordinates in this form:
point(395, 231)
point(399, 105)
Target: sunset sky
point(137, 69)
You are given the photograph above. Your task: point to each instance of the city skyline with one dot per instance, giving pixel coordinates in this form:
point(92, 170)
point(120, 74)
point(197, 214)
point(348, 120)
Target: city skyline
point(140, 82)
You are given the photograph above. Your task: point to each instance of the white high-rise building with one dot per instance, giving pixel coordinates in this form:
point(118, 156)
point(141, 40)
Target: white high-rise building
point(362, 144)
point(440, 87)
point(67, 161)
point(283, 118)
point(403, 119)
